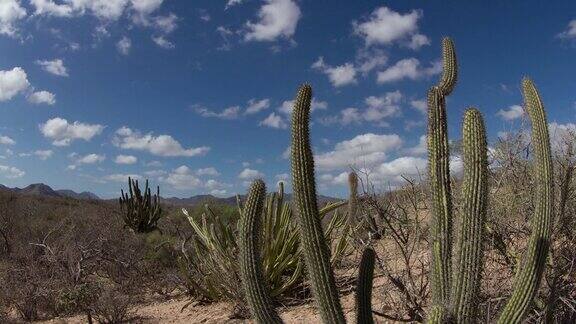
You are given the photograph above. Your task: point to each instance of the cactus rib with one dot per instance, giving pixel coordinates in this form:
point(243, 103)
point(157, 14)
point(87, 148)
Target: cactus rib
point(316, 251)
point(257, 293)
point(529, 275)
point(475, 193)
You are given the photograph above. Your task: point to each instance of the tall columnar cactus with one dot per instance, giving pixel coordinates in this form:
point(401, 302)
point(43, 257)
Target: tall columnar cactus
point(255, 288)
point(364, 287)
point(474, 193)
point(316, 251)
point(140, 212)
point(529, 275)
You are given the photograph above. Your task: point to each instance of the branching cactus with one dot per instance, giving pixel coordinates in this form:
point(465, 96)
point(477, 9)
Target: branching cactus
point(140, 212)
point(454, 294)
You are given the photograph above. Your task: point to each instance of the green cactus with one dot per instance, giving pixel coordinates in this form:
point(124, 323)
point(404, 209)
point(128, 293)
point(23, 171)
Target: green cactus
point(364, 287)
point(140, 212)
point(257, 294)
point(529, 275)
point(316, 251)
point(474, 192)
point(450, 67)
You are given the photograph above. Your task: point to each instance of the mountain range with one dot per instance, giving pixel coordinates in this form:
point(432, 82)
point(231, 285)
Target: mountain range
point(44, 190)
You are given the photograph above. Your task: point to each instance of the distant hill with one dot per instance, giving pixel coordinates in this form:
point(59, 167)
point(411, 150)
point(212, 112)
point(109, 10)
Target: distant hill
point(43, 190)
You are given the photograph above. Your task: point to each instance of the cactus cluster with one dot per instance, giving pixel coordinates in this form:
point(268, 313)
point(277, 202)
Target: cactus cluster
point(140, 212)
point(454, 295)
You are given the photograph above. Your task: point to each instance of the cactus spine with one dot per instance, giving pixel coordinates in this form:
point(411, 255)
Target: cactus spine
point(529, 275)
point(316, 251)
point(257, 294)
point(474, 193)
point(364, 287)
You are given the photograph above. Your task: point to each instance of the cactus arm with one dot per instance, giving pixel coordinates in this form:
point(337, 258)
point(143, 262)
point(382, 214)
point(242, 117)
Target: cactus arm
point(314, 246)
point(257, 294)
point(364, 287)
point(529, 274)
point(474, 194)
point(439, 177)
point(449, 67)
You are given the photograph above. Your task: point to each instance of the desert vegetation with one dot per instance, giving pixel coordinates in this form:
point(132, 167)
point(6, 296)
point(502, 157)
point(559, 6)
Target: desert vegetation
point(493, 243)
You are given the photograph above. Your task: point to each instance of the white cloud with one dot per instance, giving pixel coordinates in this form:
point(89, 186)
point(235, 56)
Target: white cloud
point(421, 148)
point(570, 32)
point(63, 133)
point(276, 18)
point(376, 111)
point(407, 69)
point(340, 75)
point(11, 172)
point(274, 121)
point(124, 45)
point(363, 149)
point(255, 106)
point(120, 177)
point(7, 140)
point(561, 135)
point(369, 59)
point(513, 112)
point(250, 174)
point(210, 171)
point(420, 105)
point(50, 8)
point(146, 7)
point(42, 97)
point(162, 42)
point(182, 178)
point(55, 67)
point(90, 159)
point(125, 159)
point(232, 3)
point(43, 154)
point(12, 82)
point(10, 13)
point(166, 24)
point(161, 145)
point(386, 26)
point(228, 113)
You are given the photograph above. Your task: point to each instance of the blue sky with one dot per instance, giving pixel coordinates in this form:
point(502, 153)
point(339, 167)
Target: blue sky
point(195, 95)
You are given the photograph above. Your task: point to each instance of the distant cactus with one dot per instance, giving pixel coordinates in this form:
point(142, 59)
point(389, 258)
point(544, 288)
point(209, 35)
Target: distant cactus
point(140, 212)
point(255, 288)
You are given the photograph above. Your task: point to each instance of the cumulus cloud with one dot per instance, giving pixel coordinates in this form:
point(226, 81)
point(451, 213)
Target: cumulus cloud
point(62, 133)
point(409, 68)
point(210, 171)
point(43, 154)
point(124, 45)
point(125, 159)
point(365, 149)
point(276, 18)
point(255, 106)
point(11, 172)
point(42, 97)
point(7, 140)
point(121, 177)
point(315, 105)
point(10, 13)
point(182, 178)
point(90, 159)
point(55, 67)
point(513, 112)
point(162, 42)
point(338, 75)
point(250, 174)
point(570, 31)
point(385, 26)
point(161, 145)
point(377, 110)
point(419, 105)
point(274, 121)
point(12, 83)
point(228, 113)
